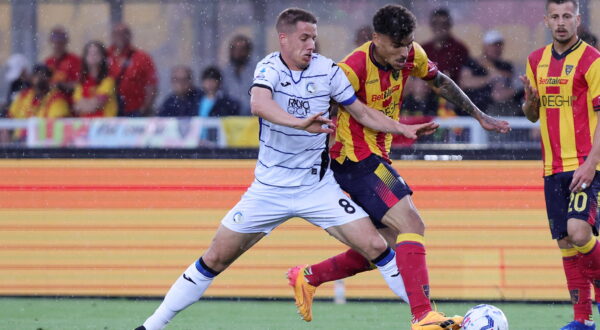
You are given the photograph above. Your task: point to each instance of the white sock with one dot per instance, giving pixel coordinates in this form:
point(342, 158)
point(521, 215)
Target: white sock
point(389, 270)
point(182, 294)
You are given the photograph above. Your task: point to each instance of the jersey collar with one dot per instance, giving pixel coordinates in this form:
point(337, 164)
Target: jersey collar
point(558, 56)
point(377, 64)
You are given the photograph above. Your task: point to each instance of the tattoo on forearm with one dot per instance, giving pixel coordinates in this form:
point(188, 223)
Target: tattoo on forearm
point(451, 92)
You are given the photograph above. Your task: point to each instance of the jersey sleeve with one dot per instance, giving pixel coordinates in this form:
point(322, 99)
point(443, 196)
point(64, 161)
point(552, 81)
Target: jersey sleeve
point(423, 67)
point(530, 75)
point(266, 75)
point(350, 75)
point(342, 90)
point(592, 76)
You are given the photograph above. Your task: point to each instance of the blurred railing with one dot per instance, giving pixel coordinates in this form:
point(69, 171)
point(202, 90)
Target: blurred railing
point(231, 132)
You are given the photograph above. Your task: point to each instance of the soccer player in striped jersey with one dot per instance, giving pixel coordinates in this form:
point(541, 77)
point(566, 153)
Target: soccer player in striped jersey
point(291, 93)
point(562, 91)
point(378, 71)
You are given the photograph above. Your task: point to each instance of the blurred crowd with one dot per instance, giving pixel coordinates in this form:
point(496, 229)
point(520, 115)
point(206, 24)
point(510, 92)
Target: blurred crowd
point(120, 79)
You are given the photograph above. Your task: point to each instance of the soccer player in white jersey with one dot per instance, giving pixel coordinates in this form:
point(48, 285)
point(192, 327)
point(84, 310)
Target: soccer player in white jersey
point(291, 94)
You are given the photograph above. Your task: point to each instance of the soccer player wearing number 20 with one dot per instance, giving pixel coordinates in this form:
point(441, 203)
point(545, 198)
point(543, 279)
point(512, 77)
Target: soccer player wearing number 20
point(291, 94)
point(562, 91)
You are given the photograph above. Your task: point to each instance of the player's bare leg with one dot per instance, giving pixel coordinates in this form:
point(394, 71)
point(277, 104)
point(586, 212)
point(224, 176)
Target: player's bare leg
point(225, 248)
point(362, 237)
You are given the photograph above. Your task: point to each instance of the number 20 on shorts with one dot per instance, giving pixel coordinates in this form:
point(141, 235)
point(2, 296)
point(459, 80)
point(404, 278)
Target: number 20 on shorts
point(578, 201)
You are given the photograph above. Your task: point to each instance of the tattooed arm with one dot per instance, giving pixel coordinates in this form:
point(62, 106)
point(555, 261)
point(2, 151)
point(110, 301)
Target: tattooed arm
point(448, 89)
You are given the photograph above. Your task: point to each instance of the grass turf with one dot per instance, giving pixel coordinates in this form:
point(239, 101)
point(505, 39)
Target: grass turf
point(63, 314)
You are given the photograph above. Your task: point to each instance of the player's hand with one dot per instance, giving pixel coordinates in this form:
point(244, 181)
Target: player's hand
point(316, 124)
point(414, 131)
point(583, 177)
point(532, 97)
point(492, 124)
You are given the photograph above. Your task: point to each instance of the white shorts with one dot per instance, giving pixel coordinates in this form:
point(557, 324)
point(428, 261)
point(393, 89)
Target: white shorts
point(264, 207)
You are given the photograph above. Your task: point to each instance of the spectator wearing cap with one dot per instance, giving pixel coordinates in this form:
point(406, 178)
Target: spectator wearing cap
point(95, 95)
point(65, 65)
point(214, 101)
point(134, 73)
point(17, 78)
point(239, 72)
point(41, 99)
point(487, 80)
point(183, 101)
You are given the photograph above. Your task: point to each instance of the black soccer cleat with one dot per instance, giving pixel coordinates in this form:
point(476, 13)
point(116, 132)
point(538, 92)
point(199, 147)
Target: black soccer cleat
point(141, 327)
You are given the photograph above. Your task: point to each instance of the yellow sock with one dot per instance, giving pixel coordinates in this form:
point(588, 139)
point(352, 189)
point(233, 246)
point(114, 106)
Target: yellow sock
point(411, 237)
point(570, 252)
point(587, 247)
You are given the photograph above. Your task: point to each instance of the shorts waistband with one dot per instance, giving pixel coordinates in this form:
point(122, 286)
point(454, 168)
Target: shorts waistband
point(366, 165)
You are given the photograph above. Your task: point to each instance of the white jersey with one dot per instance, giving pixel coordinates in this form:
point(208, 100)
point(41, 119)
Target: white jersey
point(289, 157)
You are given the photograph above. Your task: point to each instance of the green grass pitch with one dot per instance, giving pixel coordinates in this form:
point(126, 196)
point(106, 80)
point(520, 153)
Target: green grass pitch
point(63, 314)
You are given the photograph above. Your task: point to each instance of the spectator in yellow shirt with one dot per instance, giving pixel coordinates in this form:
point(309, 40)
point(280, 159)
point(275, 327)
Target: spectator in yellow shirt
point(40, 100)
point(95, 95)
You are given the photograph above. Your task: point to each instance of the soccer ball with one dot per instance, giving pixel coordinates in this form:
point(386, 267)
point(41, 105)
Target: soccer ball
point(485, 317)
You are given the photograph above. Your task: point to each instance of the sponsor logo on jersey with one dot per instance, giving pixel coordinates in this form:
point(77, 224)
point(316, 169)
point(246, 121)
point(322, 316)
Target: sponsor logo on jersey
point(298, 108)
point(286, 84)
point(553, 81)
point(373, 81)
point(553, 101)
point(384, 95)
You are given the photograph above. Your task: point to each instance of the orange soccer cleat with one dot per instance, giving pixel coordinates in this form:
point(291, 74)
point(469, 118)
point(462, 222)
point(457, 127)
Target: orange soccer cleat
point(436, 321)
point(303, 291)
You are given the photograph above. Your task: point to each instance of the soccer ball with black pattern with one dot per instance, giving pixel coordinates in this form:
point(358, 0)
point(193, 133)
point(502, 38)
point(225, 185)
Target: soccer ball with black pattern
point(485, 317)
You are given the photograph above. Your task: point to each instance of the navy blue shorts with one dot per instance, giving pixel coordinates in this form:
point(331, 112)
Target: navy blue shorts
point(373, 184)
point(562, 204)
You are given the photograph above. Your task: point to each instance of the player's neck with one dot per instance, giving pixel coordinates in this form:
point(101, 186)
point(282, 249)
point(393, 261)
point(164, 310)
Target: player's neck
point(378, 58)
point(561, 47)
point(289, 63)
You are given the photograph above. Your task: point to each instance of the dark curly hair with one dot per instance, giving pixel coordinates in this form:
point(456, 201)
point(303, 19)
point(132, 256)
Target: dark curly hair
point(394, 21)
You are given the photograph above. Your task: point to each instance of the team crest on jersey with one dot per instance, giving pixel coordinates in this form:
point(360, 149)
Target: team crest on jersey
point(298, 108)
point(568, 69)
point(311, 87)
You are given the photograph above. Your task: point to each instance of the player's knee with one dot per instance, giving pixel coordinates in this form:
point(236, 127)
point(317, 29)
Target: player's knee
point(579, 232)
point(580, 238)
point(378, 246)
point(417, 225)
point(215, 261)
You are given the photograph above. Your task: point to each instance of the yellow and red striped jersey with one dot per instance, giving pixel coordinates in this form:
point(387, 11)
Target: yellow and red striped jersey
point(569, 89)
point(380, 87)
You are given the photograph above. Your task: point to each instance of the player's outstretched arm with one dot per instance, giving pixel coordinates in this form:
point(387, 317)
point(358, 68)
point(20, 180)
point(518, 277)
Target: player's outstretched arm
point(262, 105)
point(376, 120)
point(531, 106)
point(448, 89)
